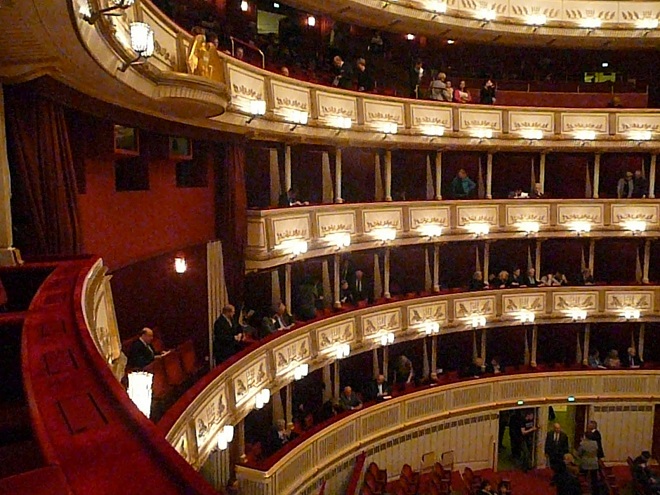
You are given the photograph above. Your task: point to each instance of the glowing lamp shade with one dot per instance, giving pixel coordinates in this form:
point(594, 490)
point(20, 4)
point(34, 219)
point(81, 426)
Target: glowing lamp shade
point(258, 107)
point(482, 132)
point(585, 135)
point(228, 432)
point(529, 227)
point(180, 264)
point(632, 314)
point(139, 390)
point(340, 122)
point(641, 135)
point(532, 134)
point(384, 234)
point(262, 398)
point(647, 23)
point(387, 339)
point(478, 229)
point(342, 351)
point(294, 247)
point(388, 127)
point(245, 6)
point(222, 442)
point(142, 38)
point(487, 14)
point(591, 23)
point(431, 327)
point(410, 37)
point(580, 227)
point(437, 6)
point(635, 226)
point(578, 314)
point(478, 321)
point(536, 19)
point(123, 3)
point(433, 130)
point(301, 371)
point(431, 230)
point(339, 239)
point(526, 316)
point(311, 21)
point(296, 116)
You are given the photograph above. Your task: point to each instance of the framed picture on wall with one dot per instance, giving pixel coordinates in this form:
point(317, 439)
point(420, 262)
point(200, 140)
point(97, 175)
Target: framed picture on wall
point(127, 140)
point(181, 148)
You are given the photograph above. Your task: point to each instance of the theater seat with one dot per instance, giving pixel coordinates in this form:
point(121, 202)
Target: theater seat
point(191, 366)
point(173, 368)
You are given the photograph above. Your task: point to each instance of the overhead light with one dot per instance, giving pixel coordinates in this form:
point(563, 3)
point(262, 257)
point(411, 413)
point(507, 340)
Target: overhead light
point(570, 398)
point(647, 23)
point(486, 14)
point(342, 351)
point(340, 122)
point(245, 6)
point(387, 339)
point(640, 135)
point(536, 19)
point(431, 327)
point(632, 314)
point(294, 247)
point(430, 230)
point(311, 21)
point(520, 402)
point(526, 316)
point(577, 314)
point(482, 132)
point(262, 398)
point(276, 5)
point(591, 23)
point(142, 43)
point(532, 134)
point(339, 239)
point(450, 42)
point(301, 371)
point(605, 65)
point(529, 227)
point(139, 390)
point(436, 6)
point(580, 226)
point(585, 135)
point(478, 229)
point(410, 37)
point(635, 226)
point(180, 265)
point(384, 234)
point(92, 16)
point(433, 130)
point(478, 321)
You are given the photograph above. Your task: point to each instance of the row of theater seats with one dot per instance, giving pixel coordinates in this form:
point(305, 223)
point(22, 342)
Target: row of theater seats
point(435, 482)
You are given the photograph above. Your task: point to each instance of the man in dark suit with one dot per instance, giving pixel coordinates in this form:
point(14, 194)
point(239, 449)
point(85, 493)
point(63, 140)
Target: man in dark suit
point(592, 427)
point(226, 335)
point(556, 445)
point(361, 288)
point(631, 360)
point(378, 389)
point(142, 352)
point(282, 320)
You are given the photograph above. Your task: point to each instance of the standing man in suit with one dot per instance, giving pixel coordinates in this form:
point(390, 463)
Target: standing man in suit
point(361, 287)
point(556, 445)
point(226, 335)
point(142, 352)
point(378, 388)
point(592, 427)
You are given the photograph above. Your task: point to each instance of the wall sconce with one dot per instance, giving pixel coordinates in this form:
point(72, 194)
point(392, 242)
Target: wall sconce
point(311, 21)
point(301, 371)
point(387, 339)
point(632, 314)
point(142, 43)
point(340, 122)
point(180, 264)
point(297, 117)
point(294, 247)
point(478, 321)
point(388, 127)
point(342, 351)
point(384, 234)
point(577, 314)
point(640, 135)
point(529, 227)
point(585, 135)
point(580, 227)
point(486, 15)
point(433, 130)
point(437, 6)
point(482, 132)
point(225, 437)
point(478, 229)
point(339, 239)
point(646, 23)
point(262, 398)
point(635, 226)
point(526, 316)
point(139, 390)
point(591, 23)
point(91, 16)
point(532, 134)
point(245, 6)
point(431, 327)
point(430, 230)
point(257, 109)
point(536, 19)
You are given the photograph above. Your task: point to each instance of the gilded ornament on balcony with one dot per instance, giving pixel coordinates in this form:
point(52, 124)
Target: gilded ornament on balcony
point(579, 217)
point(575, 302)
point(432, 313)
point(480, 124)
point(478, 219)
point(584, 126)
point(640, 126)
point(647, 217)
point(335, 228)
point(382, 224)
point(479, 309)
point(382, 117)
point(291, 234)
point(336, 112)
point(426, 120)
point(246, 92)
point(523, 303)
point(336, 335)
point(419, 222)
point(523, 126)
point(630, 302)
point(381, 322)
point(527, 217)
point(202, 429)
point(287, 102)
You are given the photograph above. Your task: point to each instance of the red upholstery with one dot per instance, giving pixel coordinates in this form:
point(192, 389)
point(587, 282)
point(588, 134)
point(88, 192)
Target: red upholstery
point(188, 358)
point(3, 295)
point(160, 387)
point(173, 369)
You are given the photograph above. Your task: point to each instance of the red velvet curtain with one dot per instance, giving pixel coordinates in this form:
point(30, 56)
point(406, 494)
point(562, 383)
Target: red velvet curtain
point(43, 174)
point(231, 202)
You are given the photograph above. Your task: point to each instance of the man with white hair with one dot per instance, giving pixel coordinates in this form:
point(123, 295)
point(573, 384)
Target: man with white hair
point(226, 335)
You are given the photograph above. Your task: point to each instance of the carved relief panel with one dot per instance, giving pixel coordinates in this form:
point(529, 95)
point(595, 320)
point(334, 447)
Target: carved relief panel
point(340, 333)
point(250, 380)
point(291, 354)
point(379, 322)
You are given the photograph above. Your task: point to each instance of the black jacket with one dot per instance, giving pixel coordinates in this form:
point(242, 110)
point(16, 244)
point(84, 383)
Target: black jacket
point(140, 355)
point(224, 343)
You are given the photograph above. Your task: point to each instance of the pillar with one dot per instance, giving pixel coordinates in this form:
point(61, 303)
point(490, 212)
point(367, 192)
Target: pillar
point(543, 420)
point(483, 348)
point(386, 282)
point(335, 388)
point(542, 172)
point(326, 179)
point(275, 183)
point(288, 412)
point(652, 176)
point(647, 261)
point(388, 175)
point(386, 360)
point(287, 286)
point(585, 347)
point(640, 341)
point(378, 178)
point(434, 353)
point(327, 383)
point(537, 261)
point(8, 254)
point(336, 280)
point(489, 176)
point(486, 260)
point(596, 174)
point(287, 167)
point(375, 365)
point(239, 433)
point(438, 175)
point(436, 268)
point(535, 342)
point(338, 198)
point(592, 255)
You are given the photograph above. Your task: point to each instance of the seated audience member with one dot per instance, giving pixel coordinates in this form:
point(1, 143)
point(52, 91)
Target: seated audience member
point(487, 96)
point(282, 318)
point(503, 488)
point(433, 378)
point(550, 281)
point(568, 483)
point(307, 298)
point(625, 186)
point(349, 400)
point(492, 281)
point(378, 389)
point(518, 194)
point(594, 360)
point(561, 278)
point(485, 488)
point(537, 192)
point(142, 353)
point(585, 278)
point(365, 81)
point(495, 366)
point(477, 282)
point(343, 74)
point(361, 288)
point(612, 360)
point(462, 186)
point(284, 70)
point(448, 92)
point(291, 199)
point(404, 371)
point(345, 295)
point(227, 337)
point(516, 279)
point(631, 360)
point(278, 436)
point(438, 86)
point(461, 94)
point(476, 368)
point(530, 278)
point(502, 281)
point(640, 185)
point(376, 44)
point(643, 475)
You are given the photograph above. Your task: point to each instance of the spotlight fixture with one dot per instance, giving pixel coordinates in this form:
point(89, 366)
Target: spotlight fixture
point(387, 339)
point(142, 43)
point(91, 16)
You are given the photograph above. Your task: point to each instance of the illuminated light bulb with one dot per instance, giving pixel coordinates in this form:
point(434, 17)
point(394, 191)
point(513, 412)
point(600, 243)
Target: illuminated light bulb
point(578, 314)
point(640, 135)
point(437, 6)
point(585, 135)
point(591, 23)
point(526, 316)
point(228, 431)
point(139, 390)
point(635, 226)
point(487, 14)
point(632, 314)
point(258, 107)
point(482, 132)
point(245, 6)
point(431, 327)
point(580, 227)
point(647, 23)
point(339, 239)
point(536, 19)
point(430, 230)
point(180, 264)
point(478, 229)
point(532, 134)
point(433, 130)
point(384, 234)
point(529, 227)
point(410, 37)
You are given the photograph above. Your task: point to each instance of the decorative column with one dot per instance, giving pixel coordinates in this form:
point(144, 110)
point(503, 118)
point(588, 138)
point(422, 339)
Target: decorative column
point(386, 282)
point(326, 179)
point(289, 405)
point(640, 341)
point(388, 175)
point(596, 174)
point(592, 255)
point(375, 365)
point(386, 360)
point(336, 281)
point(438, 175)
point(436, 268)
point(535, 342)
point(327, 383)
point(486, 260)
point(287, 286)
point(287, 168)
point(6, 238)
point(654, 158)
point(338, 198)
point(537, 261)
point(585, 347)
point(378, 178)
point(240, 440)
point(542, 172)
point(647, 261)
point(489, 176)
point(434, 353)
point(275, 182)
point(483, 348)
point(335, 388)
point(543, 420)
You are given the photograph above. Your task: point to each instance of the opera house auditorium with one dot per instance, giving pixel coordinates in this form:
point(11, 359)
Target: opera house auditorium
point(329, 247)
